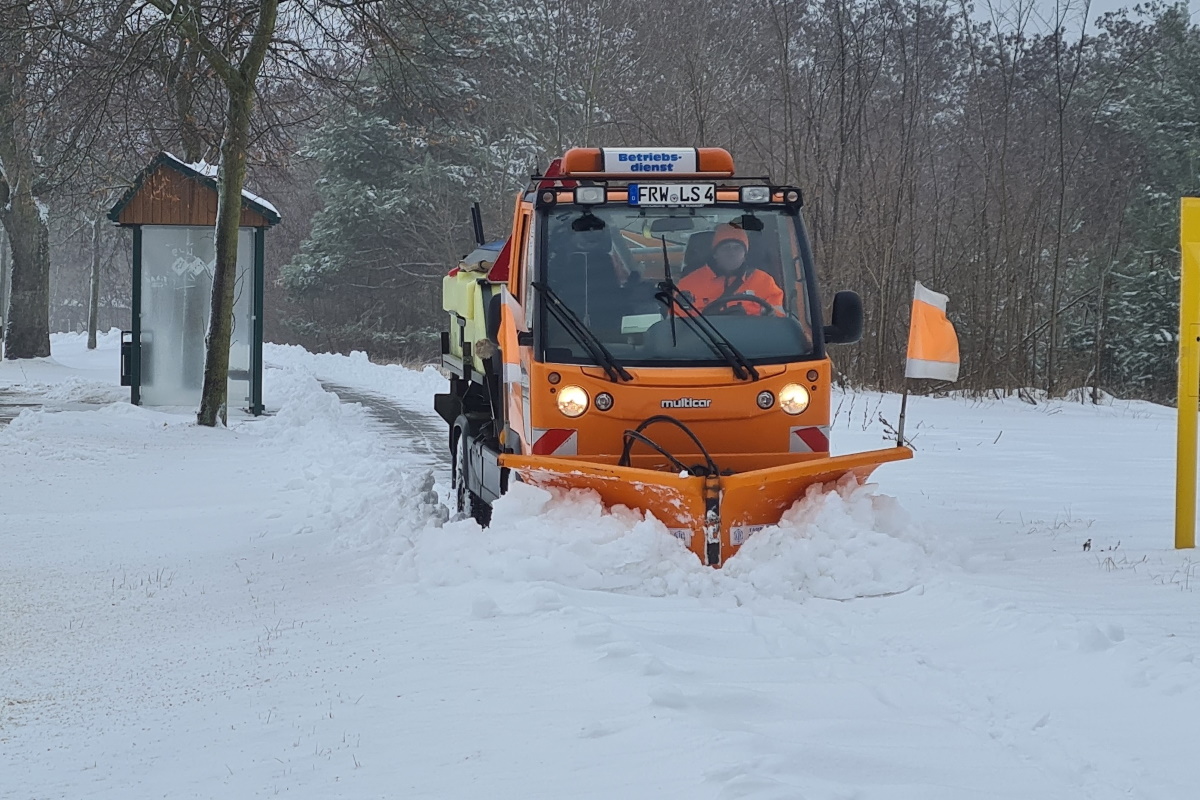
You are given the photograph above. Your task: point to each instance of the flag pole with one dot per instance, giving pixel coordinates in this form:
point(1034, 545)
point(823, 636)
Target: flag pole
point(903, 411)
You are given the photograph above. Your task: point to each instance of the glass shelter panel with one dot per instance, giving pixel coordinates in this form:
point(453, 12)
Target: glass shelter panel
point(177, 276)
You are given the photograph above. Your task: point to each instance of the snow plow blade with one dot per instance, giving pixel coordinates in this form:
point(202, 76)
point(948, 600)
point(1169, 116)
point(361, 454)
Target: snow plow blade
point(714, 516)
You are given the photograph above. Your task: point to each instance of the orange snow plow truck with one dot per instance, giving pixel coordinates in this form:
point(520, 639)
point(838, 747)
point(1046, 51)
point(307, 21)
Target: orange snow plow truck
point(650, 330)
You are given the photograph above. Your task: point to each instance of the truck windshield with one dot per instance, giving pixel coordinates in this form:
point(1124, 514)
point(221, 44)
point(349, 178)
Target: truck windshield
point(743, 268)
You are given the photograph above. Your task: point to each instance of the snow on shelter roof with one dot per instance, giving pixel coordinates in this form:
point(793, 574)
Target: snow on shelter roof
point(201, 172)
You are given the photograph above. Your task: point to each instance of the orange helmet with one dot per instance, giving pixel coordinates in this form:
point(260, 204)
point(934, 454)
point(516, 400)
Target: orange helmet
point(728, 233)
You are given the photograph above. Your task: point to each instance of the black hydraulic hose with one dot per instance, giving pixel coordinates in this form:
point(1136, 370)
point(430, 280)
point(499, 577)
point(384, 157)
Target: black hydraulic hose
point(631, 436)
point(657, 418)
point(638, 435)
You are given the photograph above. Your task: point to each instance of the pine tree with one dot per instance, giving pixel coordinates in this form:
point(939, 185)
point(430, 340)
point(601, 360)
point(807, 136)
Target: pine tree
point(401, 162)
point(1156, 108)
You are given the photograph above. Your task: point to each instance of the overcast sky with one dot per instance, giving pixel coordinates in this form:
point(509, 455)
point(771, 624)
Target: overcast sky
point(1045, 9)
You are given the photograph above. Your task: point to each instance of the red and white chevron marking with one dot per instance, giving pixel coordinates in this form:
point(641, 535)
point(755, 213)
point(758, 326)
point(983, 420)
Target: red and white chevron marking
point(812, 439)
point(555, 441)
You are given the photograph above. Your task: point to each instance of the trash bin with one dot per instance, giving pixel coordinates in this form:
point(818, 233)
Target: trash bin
point(126, 358)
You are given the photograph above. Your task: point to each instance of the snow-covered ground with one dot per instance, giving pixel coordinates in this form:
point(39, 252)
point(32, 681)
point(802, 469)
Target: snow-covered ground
point(285, 608)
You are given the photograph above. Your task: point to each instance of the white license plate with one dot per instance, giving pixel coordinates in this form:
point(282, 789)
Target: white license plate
point(672, 194)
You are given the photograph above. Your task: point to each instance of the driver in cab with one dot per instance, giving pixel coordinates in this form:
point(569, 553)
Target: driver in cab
point(727, 283)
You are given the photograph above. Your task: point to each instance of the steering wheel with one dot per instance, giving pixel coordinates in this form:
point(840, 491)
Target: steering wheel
point(725, 305)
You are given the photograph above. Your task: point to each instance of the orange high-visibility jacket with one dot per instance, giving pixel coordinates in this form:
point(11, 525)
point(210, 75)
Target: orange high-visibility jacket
point(704, 286)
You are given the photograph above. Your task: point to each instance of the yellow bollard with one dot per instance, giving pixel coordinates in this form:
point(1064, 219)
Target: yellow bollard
point(1188, 392)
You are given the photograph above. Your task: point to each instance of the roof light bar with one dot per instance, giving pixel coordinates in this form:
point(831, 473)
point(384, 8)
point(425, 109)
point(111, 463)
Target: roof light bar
point(590, 195)
point(648, 162)
point(756, 194)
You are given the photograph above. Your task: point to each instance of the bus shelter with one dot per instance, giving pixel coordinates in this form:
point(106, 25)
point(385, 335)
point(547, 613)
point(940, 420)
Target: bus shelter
point(172, 209)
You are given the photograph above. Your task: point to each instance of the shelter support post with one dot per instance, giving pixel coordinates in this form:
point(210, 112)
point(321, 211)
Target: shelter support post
point(135, 322)
point(256, 343)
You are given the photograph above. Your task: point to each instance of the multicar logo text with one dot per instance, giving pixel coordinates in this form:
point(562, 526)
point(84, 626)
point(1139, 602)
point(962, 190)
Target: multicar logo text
point(687, 402)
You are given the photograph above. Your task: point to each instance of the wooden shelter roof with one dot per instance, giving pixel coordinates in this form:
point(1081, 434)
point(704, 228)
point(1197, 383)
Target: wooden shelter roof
point(171, 192)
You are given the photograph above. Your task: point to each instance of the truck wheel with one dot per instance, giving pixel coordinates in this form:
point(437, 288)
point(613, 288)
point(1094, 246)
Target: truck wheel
point(468, 502)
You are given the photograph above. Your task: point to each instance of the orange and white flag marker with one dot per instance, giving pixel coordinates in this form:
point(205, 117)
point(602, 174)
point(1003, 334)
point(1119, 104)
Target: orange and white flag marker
point(932, 344)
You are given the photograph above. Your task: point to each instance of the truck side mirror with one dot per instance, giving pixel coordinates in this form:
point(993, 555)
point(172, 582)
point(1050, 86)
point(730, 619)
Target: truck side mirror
point(846, 322)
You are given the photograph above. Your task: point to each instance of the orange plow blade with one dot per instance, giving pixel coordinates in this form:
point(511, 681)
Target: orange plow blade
point(714, 516)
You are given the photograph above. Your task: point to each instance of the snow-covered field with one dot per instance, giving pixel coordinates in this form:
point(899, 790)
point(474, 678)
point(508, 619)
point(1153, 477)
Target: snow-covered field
point(285, 608)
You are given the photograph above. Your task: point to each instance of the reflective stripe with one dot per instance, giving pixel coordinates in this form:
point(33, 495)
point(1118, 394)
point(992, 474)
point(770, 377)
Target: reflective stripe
point(526, 417)
point(937, 370)
point(809, 439)
point(514, 309)
point(924, 294)
point(555, 442)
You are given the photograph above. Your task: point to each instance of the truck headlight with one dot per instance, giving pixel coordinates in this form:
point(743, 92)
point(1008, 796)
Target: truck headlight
point(573, 401)
point(793, 398)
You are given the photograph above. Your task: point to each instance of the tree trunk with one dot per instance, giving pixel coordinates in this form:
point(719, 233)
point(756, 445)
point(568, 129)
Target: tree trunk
point(27, 329)
point(230, 180)
point(27, 321)
point(183, 94)
point(94, 299)
point(1101, 318)
point(3, 289)
point(239, 82)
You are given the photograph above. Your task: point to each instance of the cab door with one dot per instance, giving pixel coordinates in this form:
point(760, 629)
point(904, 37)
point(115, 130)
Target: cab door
point(516, 343)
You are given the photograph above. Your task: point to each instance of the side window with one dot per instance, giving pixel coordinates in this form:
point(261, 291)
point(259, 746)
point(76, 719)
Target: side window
point(529, 256)
point(795, 266)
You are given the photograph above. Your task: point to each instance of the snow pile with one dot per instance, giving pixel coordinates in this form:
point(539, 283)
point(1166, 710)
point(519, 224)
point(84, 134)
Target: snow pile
point(836, 545)
point(79, 390)
point(68, 344)
point(361, 492)
point(566, 538)
point(71, 360)
point(843, 544)
point(70, 438)
point(413, 388)
point(249, 611)
point(118, 419)
point(839, 545)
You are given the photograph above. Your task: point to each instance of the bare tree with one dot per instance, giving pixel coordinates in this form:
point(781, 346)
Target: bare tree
point(237, 61)
point(54, 92)
point(22, 211)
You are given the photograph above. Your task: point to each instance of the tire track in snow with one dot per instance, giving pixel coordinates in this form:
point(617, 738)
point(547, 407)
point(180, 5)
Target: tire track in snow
point(13, 403)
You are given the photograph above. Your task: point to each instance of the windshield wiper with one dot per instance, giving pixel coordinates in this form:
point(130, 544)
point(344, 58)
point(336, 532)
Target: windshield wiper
point(670, 295)
point(580, 333)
